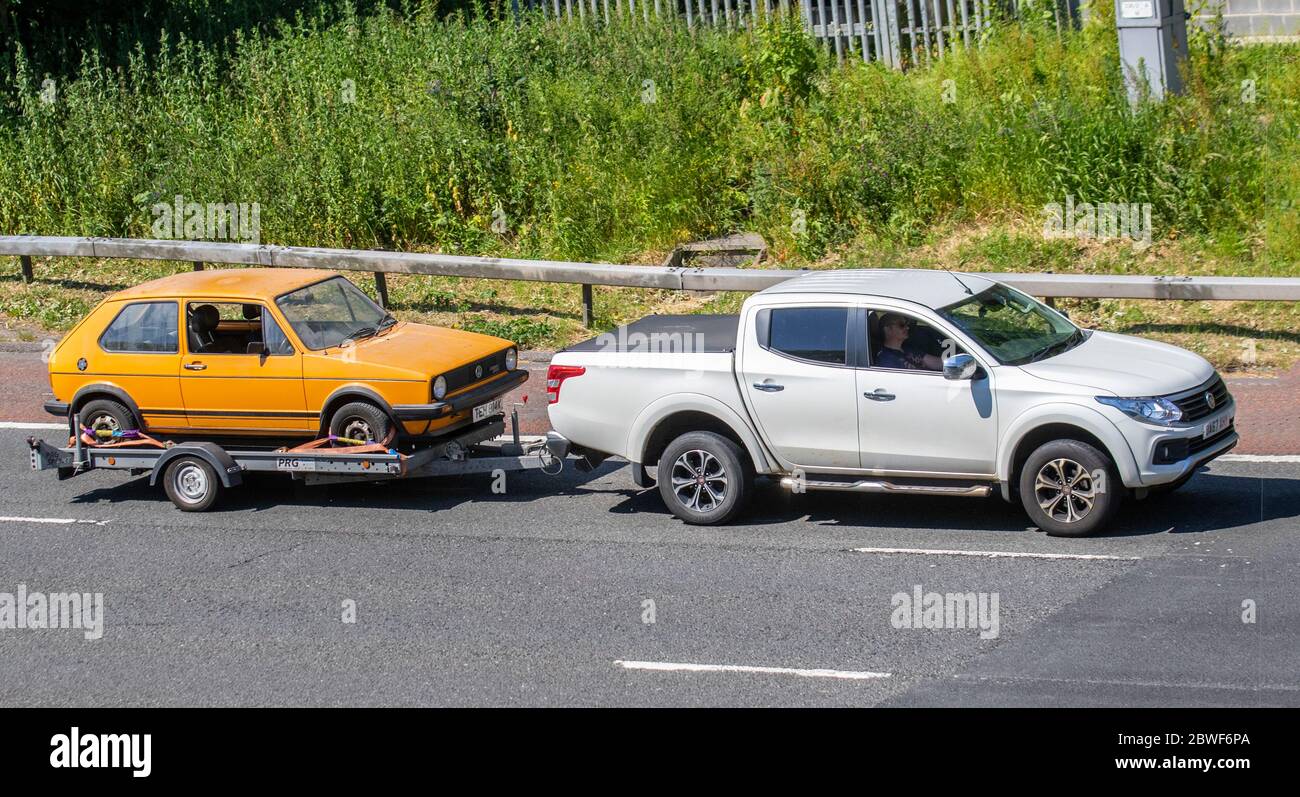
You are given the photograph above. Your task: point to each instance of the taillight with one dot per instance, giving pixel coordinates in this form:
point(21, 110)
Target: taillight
point(555, 376)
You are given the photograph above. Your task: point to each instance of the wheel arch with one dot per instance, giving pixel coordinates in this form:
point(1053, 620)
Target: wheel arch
point(104, 390)
point(216, 456)
point(348, 394)
point(672, 416)
point(1032, 430)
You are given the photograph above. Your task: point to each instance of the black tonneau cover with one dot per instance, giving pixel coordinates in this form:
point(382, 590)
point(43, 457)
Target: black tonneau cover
point(668, 334)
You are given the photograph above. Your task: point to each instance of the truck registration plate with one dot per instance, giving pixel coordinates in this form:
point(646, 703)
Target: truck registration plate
point(1217, 425)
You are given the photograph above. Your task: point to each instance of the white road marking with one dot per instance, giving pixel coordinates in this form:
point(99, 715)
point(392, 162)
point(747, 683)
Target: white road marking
point(997, 554)
point(19, 425)
point(1260, 458)
point(60, 521)
point(667, 666)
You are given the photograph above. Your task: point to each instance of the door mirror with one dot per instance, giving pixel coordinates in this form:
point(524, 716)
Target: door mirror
point(256, 347)
point(960, 366)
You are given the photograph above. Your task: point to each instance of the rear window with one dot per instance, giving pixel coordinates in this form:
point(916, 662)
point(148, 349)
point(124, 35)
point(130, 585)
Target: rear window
point(144, 327)
point(810, 333)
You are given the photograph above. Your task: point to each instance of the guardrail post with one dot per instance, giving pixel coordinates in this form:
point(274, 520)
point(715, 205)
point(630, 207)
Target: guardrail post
point(198, 265)
point(26, 262)
point(588, 306)
point(381, 287)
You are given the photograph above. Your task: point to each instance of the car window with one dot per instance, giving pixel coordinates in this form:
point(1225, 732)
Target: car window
point(276, 341)
point(905, 342)
point(810, 333)
point(327, 313)
point(1013, 327)
point(145, 327)
point(232, 328)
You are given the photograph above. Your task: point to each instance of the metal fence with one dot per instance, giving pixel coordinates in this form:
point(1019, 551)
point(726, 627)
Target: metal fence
point(380, 263)
point(896, 32)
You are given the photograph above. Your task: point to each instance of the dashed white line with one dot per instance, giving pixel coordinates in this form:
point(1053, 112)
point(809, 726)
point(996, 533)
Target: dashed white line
point(668, 666)
point(996, 554)
point(60, 521)
point(19, 425)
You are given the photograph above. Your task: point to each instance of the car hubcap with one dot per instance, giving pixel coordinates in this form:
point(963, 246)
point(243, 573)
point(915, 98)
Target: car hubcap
point(357, 429)
point(1065, 490)
point(699, 481)
point(192, 483)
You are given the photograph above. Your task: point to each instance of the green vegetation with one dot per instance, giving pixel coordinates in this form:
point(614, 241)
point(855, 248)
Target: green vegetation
point(584, 142)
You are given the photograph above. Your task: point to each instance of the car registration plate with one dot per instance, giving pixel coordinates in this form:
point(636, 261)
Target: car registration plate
point(487, 410)
point(1217, 425)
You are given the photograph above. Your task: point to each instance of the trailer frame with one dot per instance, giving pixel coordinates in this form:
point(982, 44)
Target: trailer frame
point(195, 472)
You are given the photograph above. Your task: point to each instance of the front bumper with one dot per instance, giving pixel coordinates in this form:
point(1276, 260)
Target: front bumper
point(1167, 454)
point(56, 407)
point(464, 401)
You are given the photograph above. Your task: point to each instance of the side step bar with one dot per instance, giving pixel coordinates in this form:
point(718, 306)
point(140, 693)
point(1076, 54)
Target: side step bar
point(881, 486)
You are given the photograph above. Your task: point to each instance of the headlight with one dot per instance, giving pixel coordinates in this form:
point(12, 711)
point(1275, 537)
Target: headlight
point(1161, 411)
point(512, 359)
point(440, 388)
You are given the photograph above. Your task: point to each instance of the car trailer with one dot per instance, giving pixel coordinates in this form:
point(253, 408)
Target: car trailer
point(195, 473)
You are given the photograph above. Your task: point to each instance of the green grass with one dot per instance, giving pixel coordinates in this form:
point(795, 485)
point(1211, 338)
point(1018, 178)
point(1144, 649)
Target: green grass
point(461, 122)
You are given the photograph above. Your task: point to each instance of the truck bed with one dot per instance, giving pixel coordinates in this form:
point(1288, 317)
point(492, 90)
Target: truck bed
point(676, 333)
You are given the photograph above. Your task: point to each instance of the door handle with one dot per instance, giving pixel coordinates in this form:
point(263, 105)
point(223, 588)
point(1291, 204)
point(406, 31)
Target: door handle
point(880, 395)
point(194, 366)
point(768, 387)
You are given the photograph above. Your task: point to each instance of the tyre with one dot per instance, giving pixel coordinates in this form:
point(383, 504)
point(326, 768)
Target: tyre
point(192, 484)
point(107, 415)
point(1069, 488)
point(704, 478)
point(362, 420)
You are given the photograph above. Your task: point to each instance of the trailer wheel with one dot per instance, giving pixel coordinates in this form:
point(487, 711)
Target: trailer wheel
point(704, 478)
point(192, 484)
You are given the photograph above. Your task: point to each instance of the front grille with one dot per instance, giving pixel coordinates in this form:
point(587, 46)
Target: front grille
point(492, 365)
point(1194, 404)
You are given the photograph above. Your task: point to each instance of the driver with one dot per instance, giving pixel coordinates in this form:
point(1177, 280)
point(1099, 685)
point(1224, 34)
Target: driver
point(895, 329)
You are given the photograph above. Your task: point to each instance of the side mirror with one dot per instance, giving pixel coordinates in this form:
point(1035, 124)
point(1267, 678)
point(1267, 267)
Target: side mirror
point(257, 348)
point(960, 366)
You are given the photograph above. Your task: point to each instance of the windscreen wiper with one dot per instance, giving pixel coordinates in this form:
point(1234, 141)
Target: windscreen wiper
point(361, 332)
point(1056, 348)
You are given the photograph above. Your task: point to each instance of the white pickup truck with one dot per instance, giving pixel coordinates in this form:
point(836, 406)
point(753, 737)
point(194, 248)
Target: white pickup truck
point(892, 381)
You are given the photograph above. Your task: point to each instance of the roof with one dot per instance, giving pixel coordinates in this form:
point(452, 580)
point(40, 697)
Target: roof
point(252, 283)
point(932, 288)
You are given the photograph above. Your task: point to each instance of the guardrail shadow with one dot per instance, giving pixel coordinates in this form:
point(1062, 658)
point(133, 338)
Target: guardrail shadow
point(264, 491)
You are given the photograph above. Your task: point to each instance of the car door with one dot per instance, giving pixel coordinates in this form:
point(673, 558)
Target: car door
point(799, 384)
point(139, 352)
point(244, 374)
point(913, 420)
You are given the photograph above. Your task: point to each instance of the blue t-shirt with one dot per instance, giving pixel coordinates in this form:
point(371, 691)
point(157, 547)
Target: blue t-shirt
point(893, 358)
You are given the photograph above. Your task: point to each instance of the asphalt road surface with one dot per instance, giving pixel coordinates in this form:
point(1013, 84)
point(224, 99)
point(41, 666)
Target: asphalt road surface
point(539, 596)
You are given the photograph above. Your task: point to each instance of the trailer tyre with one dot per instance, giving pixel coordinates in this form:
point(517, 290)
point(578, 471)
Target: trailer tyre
point(107, 415)
point(360, 420)
point(192, 484)
point(704, 478)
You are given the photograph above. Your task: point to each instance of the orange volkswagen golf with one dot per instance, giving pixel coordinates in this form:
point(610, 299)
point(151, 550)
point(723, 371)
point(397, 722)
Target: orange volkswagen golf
point(274, 352)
